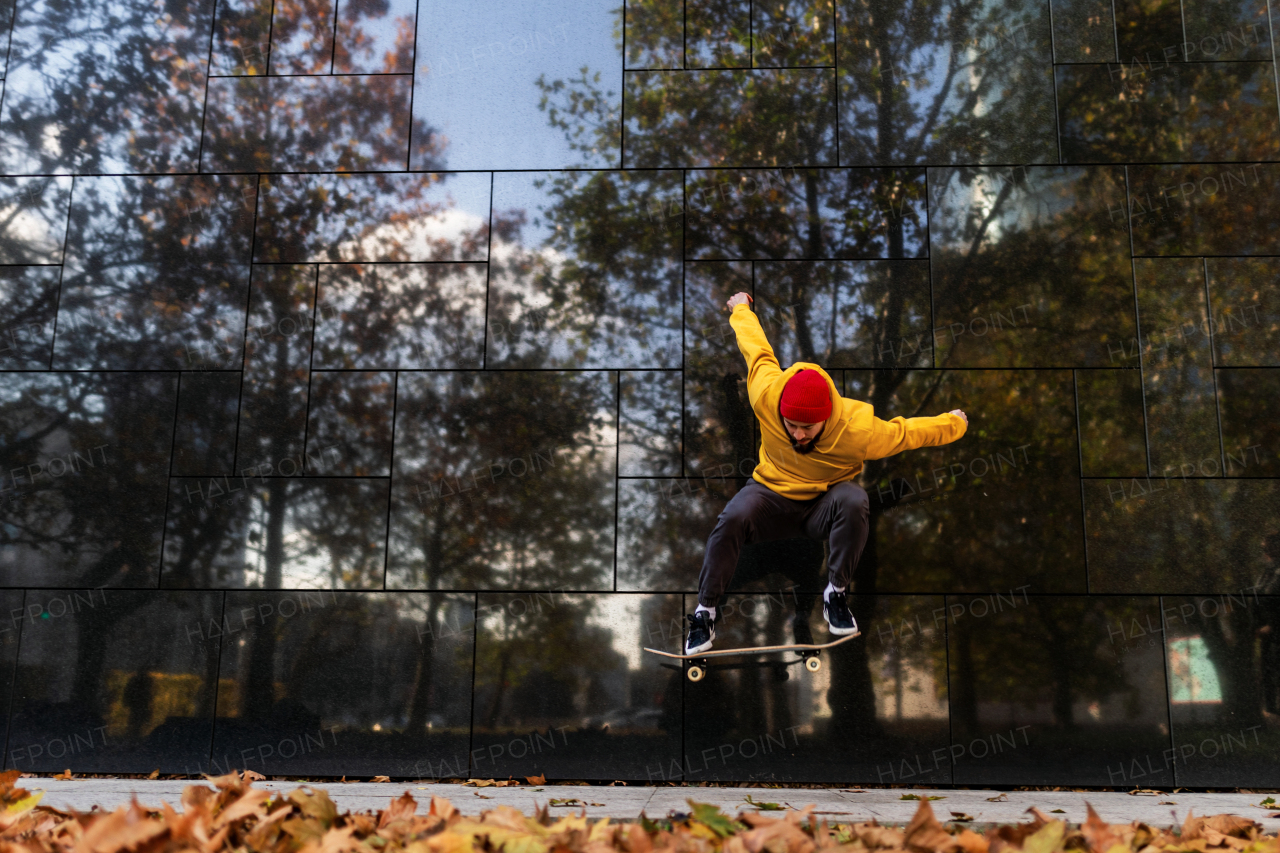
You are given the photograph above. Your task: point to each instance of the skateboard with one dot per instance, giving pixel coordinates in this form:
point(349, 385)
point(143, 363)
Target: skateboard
point(809, 652)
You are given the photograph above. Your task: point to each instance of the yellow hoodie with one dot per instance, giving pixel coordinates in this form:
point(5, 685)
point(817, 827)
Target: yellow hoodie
point(853, 433)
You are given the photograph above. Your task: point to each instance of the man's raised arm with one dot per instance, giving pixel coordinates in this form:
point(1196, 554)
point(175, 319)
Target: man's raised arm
point(762, 364)
point(899, 434)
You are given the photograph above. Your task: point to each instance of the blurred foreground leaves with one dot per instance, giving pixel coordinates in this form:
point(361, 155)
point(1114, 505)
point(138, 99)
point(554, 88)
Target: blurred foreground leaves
point(234, 817)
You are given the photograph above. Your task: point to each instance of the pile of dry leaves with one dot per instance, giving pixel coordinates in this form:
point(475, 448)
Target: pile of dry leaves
point(238, 818)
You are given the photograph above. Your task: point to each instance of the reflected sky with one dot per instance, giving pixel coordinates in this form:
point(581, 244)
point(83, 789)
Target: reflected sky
point(373, 218)
point(482, 71)
point(400, 316)
point(84, 79)
point(960, 82)
point(1008, 286)
point(34, 213)
point(587, 273)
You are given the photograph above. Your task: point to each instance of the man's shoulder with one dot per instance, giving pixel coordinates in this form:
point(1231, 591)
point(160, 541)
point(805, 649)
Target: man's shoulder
point(859, 415)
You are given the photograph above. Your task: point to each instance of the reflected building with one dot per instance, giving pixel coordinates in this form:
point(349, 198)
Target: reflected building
point(368, 394)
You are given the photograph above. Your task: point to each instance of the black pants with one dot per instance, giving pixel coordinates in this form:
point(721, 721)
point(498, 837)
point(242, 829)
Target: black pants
point(759, 514)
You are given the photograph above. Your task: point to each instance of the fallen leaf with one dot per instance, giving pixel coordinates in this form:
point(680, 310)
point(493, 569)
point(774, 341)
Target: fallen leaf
point(767, 807)
point(1096, 831)
point(970, 842)
point(540, 779)
point(1057, 811)
point(64, 776)
point(380, 779)
point(1167, 803)
point(858, 791)
point(403, 808)
point(874, 836)
point(713, 818)
point(1144, 792)
point(251, 776)
point(479, 783)
point(961, 817)
point(480, 795)
point(998, 798)
point(155, 774)
point(1270, 803)
point(1046, 839)
point(924, 833)
point(24, 804)
point(918, 797)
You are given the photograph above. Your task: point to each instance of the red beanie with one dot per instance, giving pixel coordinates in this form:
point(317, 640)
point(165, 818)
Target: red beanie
point(806, 398)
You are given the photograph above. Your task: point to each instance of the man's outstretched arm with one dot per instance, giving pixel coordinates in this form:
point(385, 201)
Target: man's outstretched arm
point(762, 364)
point(899, 434)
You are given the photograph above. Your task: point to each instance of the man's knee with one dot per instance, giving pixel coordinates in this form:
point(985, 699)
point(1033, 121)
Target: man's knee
point(852, 498)
point(738, 513)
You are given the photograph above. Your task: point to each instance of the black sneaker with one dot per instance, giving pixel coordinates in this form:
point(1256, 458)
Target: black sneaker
point(702, 630)
point(839, 617)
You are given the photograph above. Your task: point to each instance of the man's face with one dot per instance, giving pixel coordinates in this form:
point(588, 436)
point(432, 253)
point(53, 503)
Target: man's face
point(803, 436)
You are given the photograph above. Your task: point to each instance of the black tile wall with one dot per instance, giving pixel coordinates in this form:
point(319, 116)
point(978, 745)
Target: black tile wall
point(910, 85)
point(670, 115)
point(369, 395)
point(504, 480)
point(1083, 31)
point(115, 681)
point(1113, 437)
point(28, 303)
point(564, 689)
point(876, 712)
point(135, 105)
point(1222, 691)
point(330, 683)
point(1060, 691)
point(204, 438)
point(1244, 298)
point(1116, 113)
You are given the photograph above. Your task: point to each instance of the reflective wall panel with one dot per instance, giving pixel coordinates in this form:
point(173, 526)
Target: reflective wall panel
point(369, 392)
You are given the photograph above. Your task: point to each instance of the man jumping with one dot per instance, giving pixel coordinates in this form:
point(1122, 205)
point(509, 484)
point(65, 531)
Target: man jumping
point(812, 445)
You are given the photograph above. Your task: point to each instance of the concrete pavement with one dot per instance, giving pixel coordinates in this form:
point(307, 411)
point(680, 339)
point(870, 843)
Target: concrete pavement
point(836, 804)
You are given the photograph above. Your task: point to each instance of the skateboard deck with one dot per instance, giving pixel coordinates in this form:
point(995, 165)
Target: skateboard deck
point(809, 651)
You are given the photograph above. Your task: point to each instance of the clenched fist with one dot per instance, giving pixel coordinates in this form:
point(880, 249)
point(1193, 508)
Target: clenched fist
point(738, 299)
point(960, 413)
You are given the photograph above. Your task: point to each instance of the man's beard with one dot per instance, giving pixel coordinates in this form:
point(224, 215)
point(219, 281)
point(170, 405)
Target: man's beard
point(808, 446)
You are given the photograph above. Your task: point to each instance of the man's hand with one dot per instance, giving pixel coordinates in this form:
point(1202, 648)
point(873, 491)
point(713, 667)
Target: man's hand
point(962, 415)
point(738, 299)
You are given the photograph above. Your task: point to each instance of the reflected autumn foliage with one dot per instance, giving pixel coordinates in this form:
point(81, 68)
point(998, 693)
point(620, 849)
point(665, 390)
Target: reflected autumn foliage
point(344, 377)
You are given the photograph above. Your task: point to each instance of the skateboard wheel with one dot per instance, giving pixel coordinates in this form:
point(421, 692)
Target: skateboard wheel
point(695, 673)
point(813, 664)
